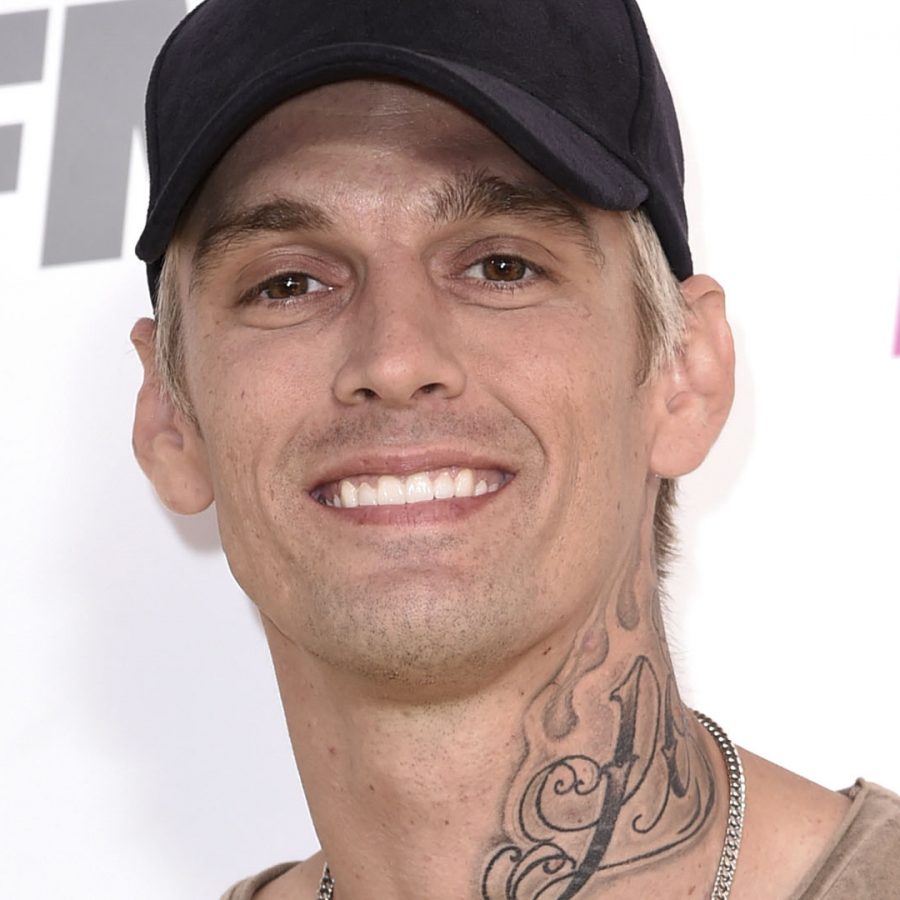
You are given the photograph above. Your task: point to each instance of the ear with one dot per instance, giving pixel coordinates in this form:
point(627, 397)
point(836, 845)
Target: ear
point(692, 397)
point(167, 444)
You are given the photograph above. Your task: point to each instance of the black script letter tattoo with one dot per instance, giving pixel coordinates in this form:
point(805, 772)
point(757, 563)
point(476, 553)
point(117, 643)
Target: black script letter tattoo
point(578, 816)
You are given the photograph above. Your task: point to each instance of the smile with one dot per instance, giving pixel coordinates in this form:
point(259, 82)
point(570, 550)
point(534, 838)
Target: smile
point(418, 487)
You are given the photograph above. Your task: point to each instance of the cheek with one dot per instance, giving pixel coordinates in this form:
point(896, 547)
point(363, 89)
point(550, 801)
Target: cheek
point(569, 372)
point(571, 377)
point(252, 392)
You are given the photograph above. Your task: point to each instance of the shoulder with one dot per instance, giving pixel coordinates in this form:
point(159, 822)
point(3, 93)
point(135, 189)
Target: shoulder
point(280, 882)
point(250, 887)
point(863, 859)
point(804, 842)
point(789, 823)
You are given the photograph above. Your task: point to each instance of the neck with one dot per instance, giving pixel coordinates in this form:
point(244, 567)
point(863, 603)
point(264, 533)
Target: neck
point(577, 774)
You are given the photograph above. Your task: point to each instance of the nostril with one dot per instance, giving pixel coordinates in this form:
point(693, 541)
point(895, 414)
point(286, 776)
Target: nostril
point(430, 388)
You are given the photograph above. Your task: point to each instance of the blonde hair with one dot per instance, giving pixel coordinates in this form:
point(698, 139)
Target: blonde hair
point(169, 344)
point(660, 311)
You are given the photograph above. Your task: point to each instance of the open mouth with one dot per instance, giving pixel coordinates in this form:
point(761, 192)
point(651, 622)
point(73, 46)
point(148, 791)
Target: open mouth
point(447, 483)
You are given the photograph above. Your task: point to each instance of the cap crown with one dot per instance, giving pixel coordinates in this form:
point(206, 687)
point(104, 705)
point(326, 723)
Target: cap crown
point(574, 86)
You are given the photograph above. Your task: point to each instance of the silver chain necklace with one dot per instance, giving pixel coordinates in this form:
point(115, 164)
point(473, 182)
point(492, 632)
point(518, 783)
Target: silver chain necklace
point(737, 801)
point(326, 885)
point(733, 832)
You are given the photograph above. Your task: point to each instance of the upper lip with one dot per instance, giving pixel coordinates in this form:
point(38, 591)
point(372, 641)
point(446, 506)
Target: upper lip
point(400, 463)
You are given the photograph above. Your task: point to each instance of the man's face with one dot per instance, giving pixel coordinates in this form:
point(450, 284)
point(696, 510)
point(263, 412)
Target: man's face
point(378, 291)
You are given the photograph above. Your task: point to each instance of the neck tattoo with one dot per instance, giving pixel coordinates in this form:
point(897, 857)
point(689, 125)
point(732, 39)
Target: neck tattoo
point(733, 832)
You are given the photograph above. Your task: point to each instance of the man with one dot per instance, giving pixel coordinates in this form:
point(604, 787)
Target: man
point(428, 333)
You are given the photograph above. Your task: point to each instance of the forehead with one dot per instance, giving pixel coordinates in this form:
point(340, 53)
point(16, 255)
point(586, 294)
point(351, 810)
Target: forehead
point(356, 140)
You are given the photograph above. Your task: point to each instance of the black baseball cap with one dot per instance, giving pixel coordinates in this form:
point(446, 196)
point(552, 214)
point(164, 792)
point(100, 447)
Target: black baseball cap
point(573, 86)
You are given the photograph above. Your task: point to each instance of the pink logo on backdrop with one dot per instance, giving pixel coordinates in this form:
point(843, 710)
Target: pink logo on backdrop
point(897, 336)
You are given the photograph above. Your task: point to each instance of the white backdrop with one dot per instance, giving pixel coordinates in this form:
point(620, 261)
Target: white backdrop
point(142, 748)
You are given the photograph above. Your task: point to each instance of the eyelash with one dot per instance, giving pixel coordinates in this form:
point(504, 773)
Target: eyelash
point(255, 294)
point(533, 271)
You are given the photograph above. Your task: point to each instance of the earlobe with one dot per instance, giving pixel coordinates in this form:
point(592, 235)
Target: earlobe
point(692, 398)
point(167, 445)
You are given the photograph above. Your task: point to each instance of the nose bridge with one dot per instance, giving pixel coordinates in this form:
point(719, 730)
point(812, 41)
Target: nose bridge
point(402, 344)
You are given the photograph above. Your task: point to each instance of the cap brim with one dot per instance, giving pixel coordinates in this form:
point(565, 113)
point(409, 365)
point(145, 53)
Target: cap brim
point(547, 140)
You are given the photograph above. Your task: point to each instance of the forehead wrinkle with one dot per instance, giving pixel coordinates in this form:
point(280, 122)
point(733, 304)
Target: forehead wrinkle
point(236, 226)
point(479, 195)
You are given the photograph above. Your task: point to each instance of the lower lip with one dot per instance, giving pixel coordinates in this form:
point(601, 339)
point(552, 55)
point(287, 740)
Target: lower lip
point(414, 514)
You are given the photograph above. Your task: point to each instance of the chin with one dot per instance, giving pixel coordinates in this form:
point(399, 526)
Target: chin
point(441, 635)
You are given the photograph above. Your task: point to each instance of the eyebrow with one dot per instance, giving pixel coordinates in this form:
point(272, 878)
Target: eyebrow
point(237, 226)
point(480, 195)
point(476, 195)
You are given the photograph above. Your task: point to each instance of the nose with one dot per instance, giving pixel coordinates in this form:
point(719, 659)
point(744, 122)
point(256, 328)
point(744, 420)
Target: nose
point(400, 348)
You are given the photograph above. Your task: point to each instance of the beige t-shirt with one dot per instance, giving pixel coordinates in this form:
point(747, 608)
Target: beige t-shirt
point(862, 861)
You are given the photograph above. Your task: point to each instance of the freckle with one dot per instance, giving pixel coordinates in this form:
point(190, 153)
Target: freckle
point(446, 821)
point(371, 787)
point(547, 651)
point(332, 751)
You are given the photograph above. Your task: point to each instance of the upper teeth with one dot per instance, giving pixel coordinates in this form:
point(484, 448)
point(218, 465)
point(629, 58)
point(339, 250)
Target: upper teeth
point(390, 490)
